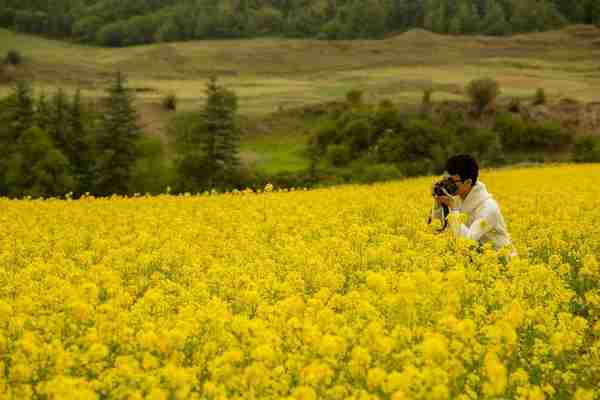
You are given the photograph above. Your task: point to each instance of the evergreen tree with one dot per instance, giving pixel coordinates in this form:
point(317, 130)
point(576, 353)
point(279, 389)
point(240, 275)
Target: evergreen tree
point(58, 128)
point(43, 112)
point(24, 114)
point(37, 168)
point(222, 135)
point(80, 146)
point(208, 147)
point(116, 139)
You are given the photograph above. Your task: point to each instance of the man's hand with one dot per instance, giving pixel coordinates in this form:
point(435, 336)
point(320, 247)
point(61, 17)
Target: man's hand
point(449, 201)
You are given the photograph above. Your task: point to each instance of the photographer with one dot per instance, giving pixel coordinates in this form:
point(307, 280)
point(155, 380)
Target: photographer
point(461, 192)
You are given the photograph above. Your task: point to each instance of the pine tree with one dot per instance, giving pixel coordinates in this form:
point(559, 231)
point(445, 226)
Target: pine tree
point(208, 148)
point(79, 150)
point(222, 135)
point(23, 110)
point(58, 128)
point(42, 112)
point(116, 139)
point(16, 116)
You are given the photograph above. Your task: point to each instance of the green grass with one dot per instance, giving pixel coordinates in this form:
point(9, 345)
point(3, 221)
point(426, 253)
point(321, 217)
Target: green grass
point(272, 154)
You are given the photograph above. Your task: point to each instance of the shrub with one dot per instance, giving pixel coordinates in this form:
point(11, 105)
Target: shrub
point(390, 148)
point(169, 102)
point(13, 57)
point(483, 92)
point(420, 136)
point(325, 134)
point(515, 105)
point(547, 134)
point(511, 131)
point(357, 133)
point(416, 168)
point(339, 155)
point(540, 97)
point(355, 97)
point(370, 173)
point(587, 149)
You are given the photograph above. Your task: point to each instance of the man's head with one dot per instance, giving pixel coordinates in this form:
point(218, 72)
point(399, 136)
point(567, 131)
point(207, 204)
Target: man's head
point(464, 170)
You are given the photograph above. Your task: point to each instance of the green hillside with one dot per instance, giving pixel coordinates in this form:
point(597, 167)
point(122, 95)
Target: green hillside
point(269, 74)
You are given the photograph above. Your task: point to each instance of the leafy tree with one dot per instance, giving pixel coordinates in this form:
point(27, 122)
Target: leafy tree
point(483, 92)
point(112, 34)
point(495, 22)
point(150, 173)
point(116, 140)
point(87, 28)
point(37, 168)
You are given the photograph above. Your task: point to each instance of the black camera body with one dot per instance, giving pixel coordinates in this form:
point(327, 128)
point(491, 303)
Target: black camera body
point(445, 187)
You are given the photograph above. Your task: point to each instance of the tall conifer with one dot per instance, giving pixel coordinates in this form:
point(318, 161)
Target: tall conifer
point(116, 140)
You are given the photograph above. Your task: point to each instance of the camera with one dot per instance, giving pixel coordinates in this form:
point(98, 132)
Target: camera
point(445, 187)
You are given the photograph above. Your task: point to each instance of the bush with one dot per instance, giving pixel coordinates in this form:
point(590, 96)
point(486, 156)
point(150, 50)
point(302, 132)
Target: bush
point(355, 97)
point(376, 173)
point(546, 135)
point(357, 133)
point(511, 131)
point(518, 135)
point(483, 92)
point(390, 148)
point(540, 97)
point(13, 57)
point(587, 149)
point(324, 135)
point(416, 168)
point(169, 102)
point(515, 105)
point(339, 155)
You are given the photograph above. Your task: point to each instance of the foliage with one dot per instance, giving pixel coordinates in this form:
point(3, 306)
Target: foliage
point(37, 168)
point(587, 149)
point(169, 102)
point(112, 23)
point(116, 139)
point(208, 149)
point(540, 97)
point(13, 57)
point(483, 92)
point(516, 134)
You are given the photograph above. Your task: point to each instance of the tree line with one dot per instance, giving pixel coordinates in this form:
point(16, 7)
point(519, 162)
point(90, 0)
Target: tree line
point(59, 144)
point(122, 23)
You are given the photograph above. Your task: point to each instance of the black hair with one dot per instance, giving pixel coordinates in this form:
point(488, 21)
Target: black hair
point(464, 166)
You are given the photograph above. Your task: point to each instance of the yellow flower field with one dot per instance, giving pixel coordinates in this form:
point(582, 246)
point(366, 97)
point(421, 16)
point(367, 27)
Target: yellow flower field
point(341, 293)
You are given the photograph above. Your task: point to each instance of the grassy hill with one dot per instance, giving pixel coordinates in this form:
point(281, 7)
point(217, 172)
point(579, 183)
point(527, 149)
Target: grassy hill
point(276, 74)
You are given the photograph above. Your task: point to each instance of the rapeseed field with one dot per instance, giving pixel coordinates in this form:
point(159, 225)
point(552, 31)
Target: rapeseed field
point(341, 293)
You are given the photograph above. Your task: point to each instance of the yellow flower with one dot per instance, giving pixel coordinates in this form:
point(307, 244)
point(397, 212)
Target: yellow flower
point(304, 393)
point(375, 378)
point(496, 375)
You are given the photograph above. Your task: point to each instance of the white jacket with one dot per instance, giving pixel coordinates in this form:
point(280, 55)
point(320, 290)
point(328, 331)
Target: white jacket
point(484, 223)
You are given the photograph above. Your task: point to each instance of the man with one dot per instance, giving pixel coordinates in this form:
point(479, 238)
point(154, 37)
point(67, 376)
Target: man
point(485, 222)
